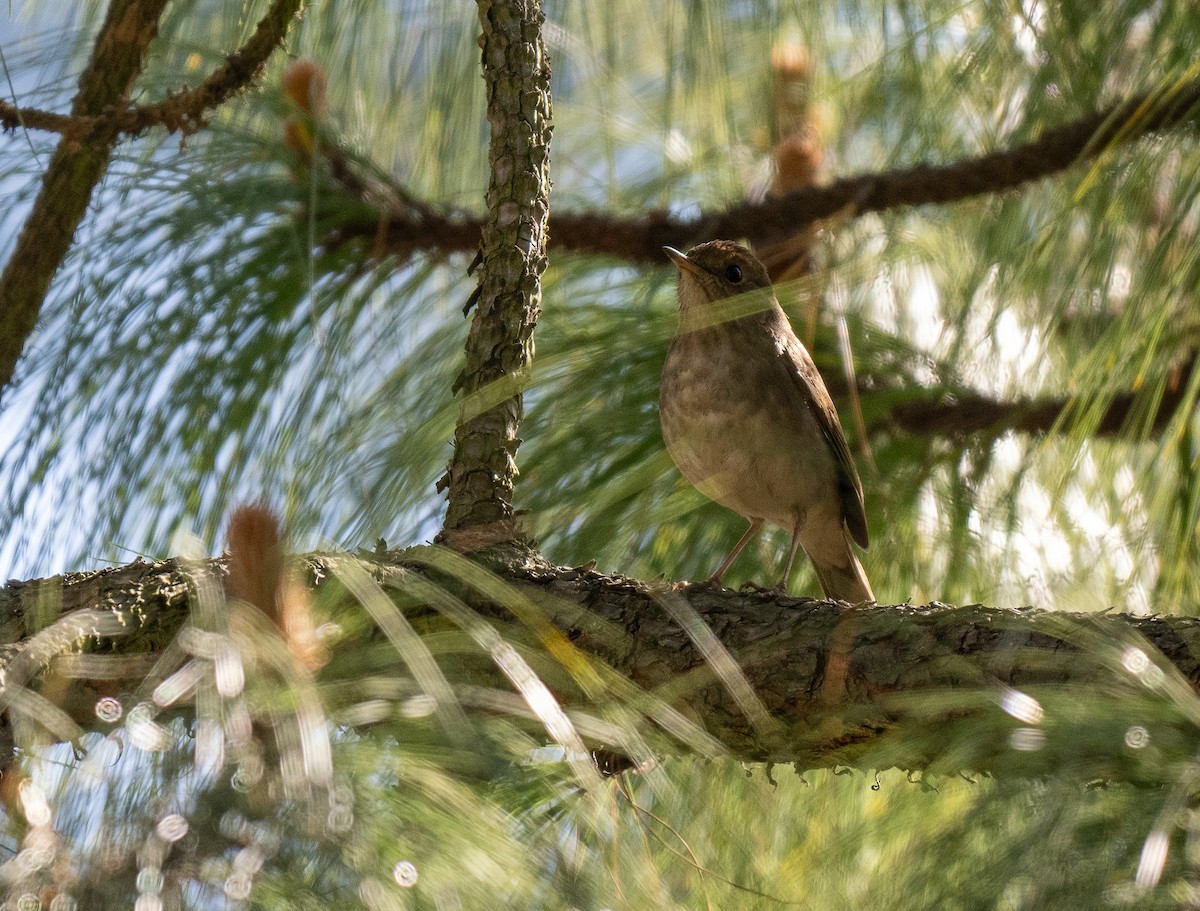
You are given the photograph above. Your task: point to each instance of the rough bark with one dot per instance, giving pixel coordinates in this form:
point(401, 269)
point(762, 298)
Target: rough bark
point(828, 681)
point(513, 257)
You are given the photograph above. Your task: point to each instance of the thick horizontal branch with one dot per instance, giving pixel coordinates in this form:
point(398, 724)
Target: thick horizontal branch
point(641, 238)
point(829, 681)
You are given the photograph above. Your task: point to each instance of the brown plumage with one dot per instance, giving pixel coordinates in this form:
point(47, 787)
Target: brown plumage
point(748, 420)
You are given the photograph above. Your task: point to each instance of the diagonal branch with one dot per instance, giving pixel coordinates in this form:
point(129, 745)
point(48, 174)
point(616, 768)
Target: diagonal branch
point(641, 238)
point(82, 156)
point(997, 172)
point(71, 176)
point(183, 111)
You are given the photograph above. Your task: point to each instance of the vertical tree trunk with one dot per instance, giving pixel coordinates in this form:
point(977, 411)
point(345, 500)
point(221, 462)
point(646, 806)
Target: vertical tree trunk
point(500, 343)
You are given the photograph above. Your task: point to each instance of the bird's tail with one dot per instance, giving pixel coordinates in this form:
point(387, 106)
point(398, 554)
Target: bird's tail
point(844, 580)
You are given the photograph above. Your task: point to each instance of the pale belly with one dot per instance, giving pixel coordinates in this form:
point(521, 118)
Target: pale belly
point(751, 447)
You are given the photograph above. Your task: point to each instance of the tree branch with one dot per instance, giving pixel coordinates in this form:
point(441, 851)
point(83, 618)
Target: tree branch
point(499, 345)
point(83, 153)
point(832, 680)
point(641, 238)
point(966, 414)
point(963, 413)
point(73, 173)
point(13, 117)
point(1058, 149)
point(183, 111)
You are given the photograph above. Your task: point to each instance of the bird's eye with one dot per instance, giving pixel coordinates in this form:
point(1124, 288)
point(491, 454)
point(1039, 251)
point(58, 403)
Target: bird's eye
point(734, 275)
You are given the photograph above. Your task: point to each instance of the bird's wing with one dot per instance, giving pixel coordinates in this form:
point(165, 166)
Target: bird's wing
point(812, 389)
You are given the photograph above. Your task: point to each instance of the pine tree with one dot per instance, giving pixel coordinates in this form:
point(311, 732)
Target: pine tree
point(240, 272)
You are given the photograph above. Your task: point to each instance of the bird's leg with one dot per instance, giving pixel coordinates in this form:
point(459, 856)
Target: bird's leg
point(755, 525)
point(787, 570)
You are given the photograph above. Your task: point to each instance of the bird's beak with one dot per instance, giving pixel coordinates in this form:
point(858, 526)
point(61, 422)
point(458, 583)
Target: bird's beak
point(681, 260)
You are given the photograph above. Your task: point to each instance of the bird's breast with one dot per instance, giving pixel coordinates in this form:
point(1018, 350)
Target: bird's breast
point(740, 430)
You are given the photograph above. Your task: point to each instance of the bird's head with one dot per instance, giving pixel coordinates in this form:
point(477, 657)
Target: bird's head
point(716, 271)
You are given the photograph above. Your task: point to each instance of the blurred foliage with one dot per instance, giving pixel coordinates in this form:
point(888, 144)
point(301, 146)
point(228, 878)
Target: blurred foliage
point(204, 346)
point(238, 773)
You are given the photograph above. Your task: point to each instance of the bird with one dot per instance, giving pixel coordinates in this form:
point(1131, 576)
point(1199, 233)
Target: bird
point(748, 421)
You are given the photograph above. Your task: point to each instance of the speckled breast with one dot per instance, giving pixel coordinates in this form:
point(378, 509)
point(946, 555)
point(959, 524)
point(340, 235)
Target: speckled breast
point(739, 430)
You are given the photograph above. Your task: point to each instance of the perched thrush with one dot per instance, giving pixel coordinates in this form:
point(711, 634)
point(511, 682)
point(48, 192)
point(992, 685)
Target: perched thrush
point(749, 422)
